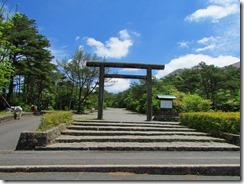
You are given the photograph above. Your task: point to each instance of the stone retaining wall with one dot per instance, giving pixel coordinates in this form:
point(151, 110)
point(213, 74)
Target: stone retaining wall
point(33, 139)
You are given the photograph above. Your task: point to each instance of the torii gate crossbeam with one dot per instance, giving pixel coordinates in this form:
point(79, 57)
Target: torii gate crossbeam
point(102, 75)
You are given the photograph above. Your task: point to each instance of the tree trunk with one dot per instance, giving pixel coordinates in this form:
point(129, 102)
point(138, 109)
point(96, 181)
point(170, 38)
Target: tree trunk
point(71, 97)
point(79, 101)
point(10, 89)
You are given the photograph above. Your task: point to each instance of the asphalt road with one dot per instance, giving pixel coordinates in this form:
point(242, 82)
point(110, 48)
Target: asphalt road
point(10, 130)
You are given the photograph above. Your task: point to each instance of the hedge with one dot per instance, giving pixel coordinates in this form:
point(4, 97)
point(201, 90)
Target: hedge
point(51, 120)
point(212, 122)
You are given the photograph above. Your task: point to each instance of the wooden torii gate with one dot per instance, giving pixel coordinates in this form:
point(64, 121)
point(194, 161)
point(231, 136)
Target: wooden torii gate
point(148, 78)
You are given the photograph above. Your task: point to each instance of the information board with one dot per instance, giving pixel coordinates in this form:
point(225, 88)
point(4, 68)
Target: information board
point(166, 104)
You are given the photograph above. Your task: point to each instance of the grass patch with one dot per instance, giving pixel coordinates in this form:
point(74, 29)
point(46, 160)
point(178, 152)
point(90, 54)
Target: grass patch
point(212, 122)
point(54, 119)
point(4, 113)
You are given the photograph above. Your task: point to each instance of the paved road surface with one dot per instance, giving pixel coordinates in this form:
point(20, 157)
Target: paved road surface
point(10, 130)
point(112, 114)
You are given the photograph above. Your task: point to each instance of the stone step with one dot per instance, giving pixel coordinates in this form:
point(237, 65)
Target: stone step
point(129, 136)
point(124, 124)
point(162, 138)
point(135, 146)
point(116, 128)
point(207, 169)
point(114, 133)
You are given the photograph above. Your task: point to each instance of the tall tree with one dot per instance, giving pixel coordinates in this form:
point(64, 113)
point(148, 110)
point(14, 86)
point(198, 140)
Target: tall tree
point(6, 68)
point(85, 79)
point(211, 77)
point(28, 54)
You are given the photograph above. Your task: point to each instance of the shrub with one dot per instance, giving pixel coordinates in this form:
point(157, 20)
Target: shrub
point(212, 122)
point(195, 103)
point(54, 119)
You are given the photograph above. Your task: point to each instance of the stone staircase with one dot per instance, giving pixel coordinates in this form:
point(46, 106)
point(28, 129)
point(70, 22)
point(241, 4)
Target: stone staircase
point(136, 136)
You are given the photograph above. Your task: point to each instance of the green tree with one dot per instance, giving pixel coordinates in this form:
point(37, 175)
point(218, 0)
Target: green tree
point(195, 103)
point(211, 77)
point(228, 96)
point(83, 78)
point(29, 56)
point(6, 68)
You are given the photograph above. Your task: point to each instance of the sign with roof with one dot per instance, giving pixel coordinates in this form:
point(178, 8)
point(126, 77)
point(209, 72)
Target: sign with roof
point(166, 101)
point(167, 113)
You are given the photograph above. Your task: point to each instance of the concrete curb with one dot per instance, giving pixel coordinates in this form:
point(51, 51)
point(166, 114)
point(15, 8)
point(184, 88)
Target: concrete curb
point(210, 170)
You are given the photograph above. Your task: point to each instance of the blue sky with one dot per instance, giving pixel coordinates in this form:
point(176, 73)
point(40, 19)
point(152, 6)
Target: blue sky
point(176, 33)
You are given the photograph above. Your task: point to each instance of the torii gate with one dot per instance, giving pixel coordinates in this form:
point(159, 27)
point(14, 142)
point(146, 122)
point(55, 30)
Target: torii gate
point(148, 78)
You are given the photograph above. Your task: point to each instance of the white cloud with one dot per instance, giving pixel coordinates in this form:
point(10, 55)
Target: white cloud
point(58, 53)
point(129, 70)
point(184, 44)
point(217, 10)
point(117, 85)
point(190, 60)
point(207, 48)
point(124, 35)
point(115, 47)
point(207, 40)
point(223, 2)
point(224, 39)
point(77, 38)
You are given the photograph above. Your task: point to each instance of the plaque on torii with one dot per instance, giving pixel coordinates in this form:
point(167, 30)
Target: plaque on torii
point(147, 77)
